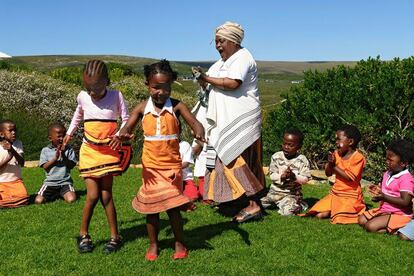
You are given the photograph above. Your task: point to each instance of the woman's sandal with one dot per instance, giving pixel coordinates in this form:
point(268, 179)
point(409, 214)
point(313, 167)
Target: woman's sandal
point(113, 245)
point(246, 216)
point(84, 243)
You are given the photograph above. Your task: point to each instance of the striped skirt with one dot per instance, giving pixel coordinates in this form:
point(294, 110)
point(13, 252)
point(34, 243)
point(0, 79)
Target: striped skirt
point(100, 160)
point(242, 176)
point(345, 206)
point(161, 190)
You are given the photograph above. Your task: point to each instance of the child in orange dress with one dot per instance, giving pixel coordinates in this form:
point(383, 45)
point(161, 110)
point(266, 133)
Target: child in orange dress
point(162, 185)
point(345, 201)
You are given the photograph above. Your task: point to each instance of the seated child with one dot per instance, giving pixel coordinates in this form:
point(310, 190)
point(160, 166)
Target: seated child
point(13, 193)
point(345, 201)
point(395, 193)
point(288, 171)
point(190, 189)
point(57, 163)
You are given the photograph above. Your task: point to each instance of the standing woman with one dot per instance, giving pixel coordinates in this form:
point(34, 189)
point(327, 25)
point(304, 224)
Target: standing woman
point(234, 124)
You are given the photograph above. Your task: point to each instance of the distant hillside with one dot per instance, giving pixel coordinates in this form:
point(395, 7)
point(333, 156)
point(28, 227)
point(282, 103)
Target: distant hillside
point(49, 62)
point(282, 67)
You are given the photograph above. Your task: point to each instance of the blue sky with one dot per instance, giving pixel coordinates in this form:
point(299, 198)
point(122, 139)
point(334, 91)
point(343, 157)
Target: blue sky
point(282, 30)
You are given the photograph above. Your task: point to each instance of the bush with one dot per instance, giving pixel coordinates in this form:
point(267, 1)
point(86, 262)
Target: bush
point(375, 95)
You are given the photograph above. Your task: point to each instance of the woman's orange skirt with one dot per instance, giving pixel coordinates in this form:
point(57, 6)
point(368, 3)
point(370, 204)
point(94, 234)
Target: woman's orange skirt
point(161, 190)
point(13, 194)
point(394, 223)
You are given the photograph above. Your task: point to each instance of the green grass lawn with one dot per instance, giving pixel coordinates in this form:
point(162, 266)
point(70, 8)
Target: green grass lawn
point(41, 240)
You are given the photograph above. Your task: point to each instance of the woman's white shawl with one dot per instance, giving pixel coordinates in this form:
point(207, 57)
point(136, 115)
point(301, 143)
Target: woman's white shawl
point(234, 118)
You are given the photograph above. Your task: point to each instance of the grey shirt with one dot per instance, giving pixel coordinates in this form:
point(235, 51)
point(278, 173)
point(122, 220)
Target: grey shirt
point(59, 173)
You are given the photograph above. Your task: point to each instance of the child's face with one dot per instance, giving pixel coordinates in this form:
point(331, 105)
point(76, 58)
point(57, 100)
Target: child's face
point(56, 136)
point(8, 132)
point(343, 143)
point(290, 145)
point(159, 86)
point(95, 86)
point(393, 162)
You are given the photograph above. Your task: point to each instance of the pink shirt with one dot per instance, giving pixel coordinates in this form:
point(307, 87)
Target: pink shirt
point(110, 107)
point(392, 185)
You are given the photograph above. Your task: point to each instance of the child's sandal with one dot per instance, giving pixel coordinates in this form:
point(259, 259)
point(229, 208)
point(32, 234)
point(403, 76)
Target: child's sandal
point(85, 243)
point(113, 245)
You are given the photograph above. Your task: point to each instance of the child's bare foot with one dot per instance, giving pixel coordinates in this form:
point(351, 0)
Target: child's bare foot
point(152, 252)
point(180, 252)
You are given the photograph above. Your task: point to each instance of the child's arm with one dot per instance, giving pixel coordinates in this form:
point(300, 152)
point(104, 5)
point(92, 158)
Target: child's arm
point(68, 157)
point(196, 127)
point(274, 174)
point(7, 145)
point(76, 119)
point(404, 200)
point(304, 174)
point(126, 132)
point(116, 142)
point(6, 157)
point(331, 168)
point(50, 163)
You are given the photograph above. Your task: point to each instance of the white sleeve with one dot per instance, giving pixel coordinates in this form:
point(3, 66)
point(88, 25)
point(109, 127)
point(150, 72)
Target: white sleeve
point(239, 68)
point(186, 152)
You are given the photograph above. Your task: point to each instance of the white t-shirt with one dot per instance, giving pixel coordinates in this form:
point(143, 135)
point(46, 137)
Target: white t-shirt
point(12, 171)
point(186, 156)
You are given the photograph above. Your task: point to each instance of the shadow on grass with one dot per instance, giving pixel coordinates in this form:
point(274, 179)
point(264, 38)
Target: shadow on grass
point(198, 238)
point(311, 201)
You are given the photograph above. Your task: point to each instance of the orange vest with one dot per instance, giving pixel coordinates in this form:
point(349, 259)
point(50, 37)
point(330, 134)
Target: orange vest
point(161, 146)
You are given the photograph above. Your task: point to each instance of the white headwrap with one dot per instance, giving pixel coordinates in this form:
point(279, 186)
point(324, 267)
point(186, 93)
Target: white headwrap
point(231, 31)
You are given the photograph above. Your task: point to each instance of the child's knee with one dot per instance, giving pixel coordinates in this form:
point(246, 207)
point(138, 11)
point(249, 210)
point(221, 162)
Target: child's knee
point(92, 197)
point(362, 220)
point(70, 197)
point(370, 227)
point(323, 215)
point(39, 199)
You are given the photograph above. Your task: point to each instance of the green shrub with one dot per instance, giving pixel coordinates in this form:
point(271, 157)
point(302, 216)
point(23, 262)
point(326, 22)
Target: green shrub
point(375, 95)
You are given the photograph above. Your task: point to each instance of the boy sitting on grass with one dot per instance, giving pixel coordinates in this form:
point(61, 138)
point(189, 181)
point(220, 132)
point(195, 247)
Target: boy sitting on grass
point(57, 163)
point(13, 193)
point(288, 170)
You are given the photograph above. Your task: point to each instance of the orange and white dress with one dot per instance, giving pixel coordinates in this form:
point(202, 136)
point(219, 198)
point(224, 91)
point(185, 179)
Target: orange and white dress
point(345, 200)
point(162, 185)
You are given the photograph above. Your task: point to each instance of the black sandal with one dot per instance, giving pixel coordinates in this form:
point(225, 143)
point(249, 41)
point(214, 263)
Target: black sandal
point(85, 244)
point(114, 244)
